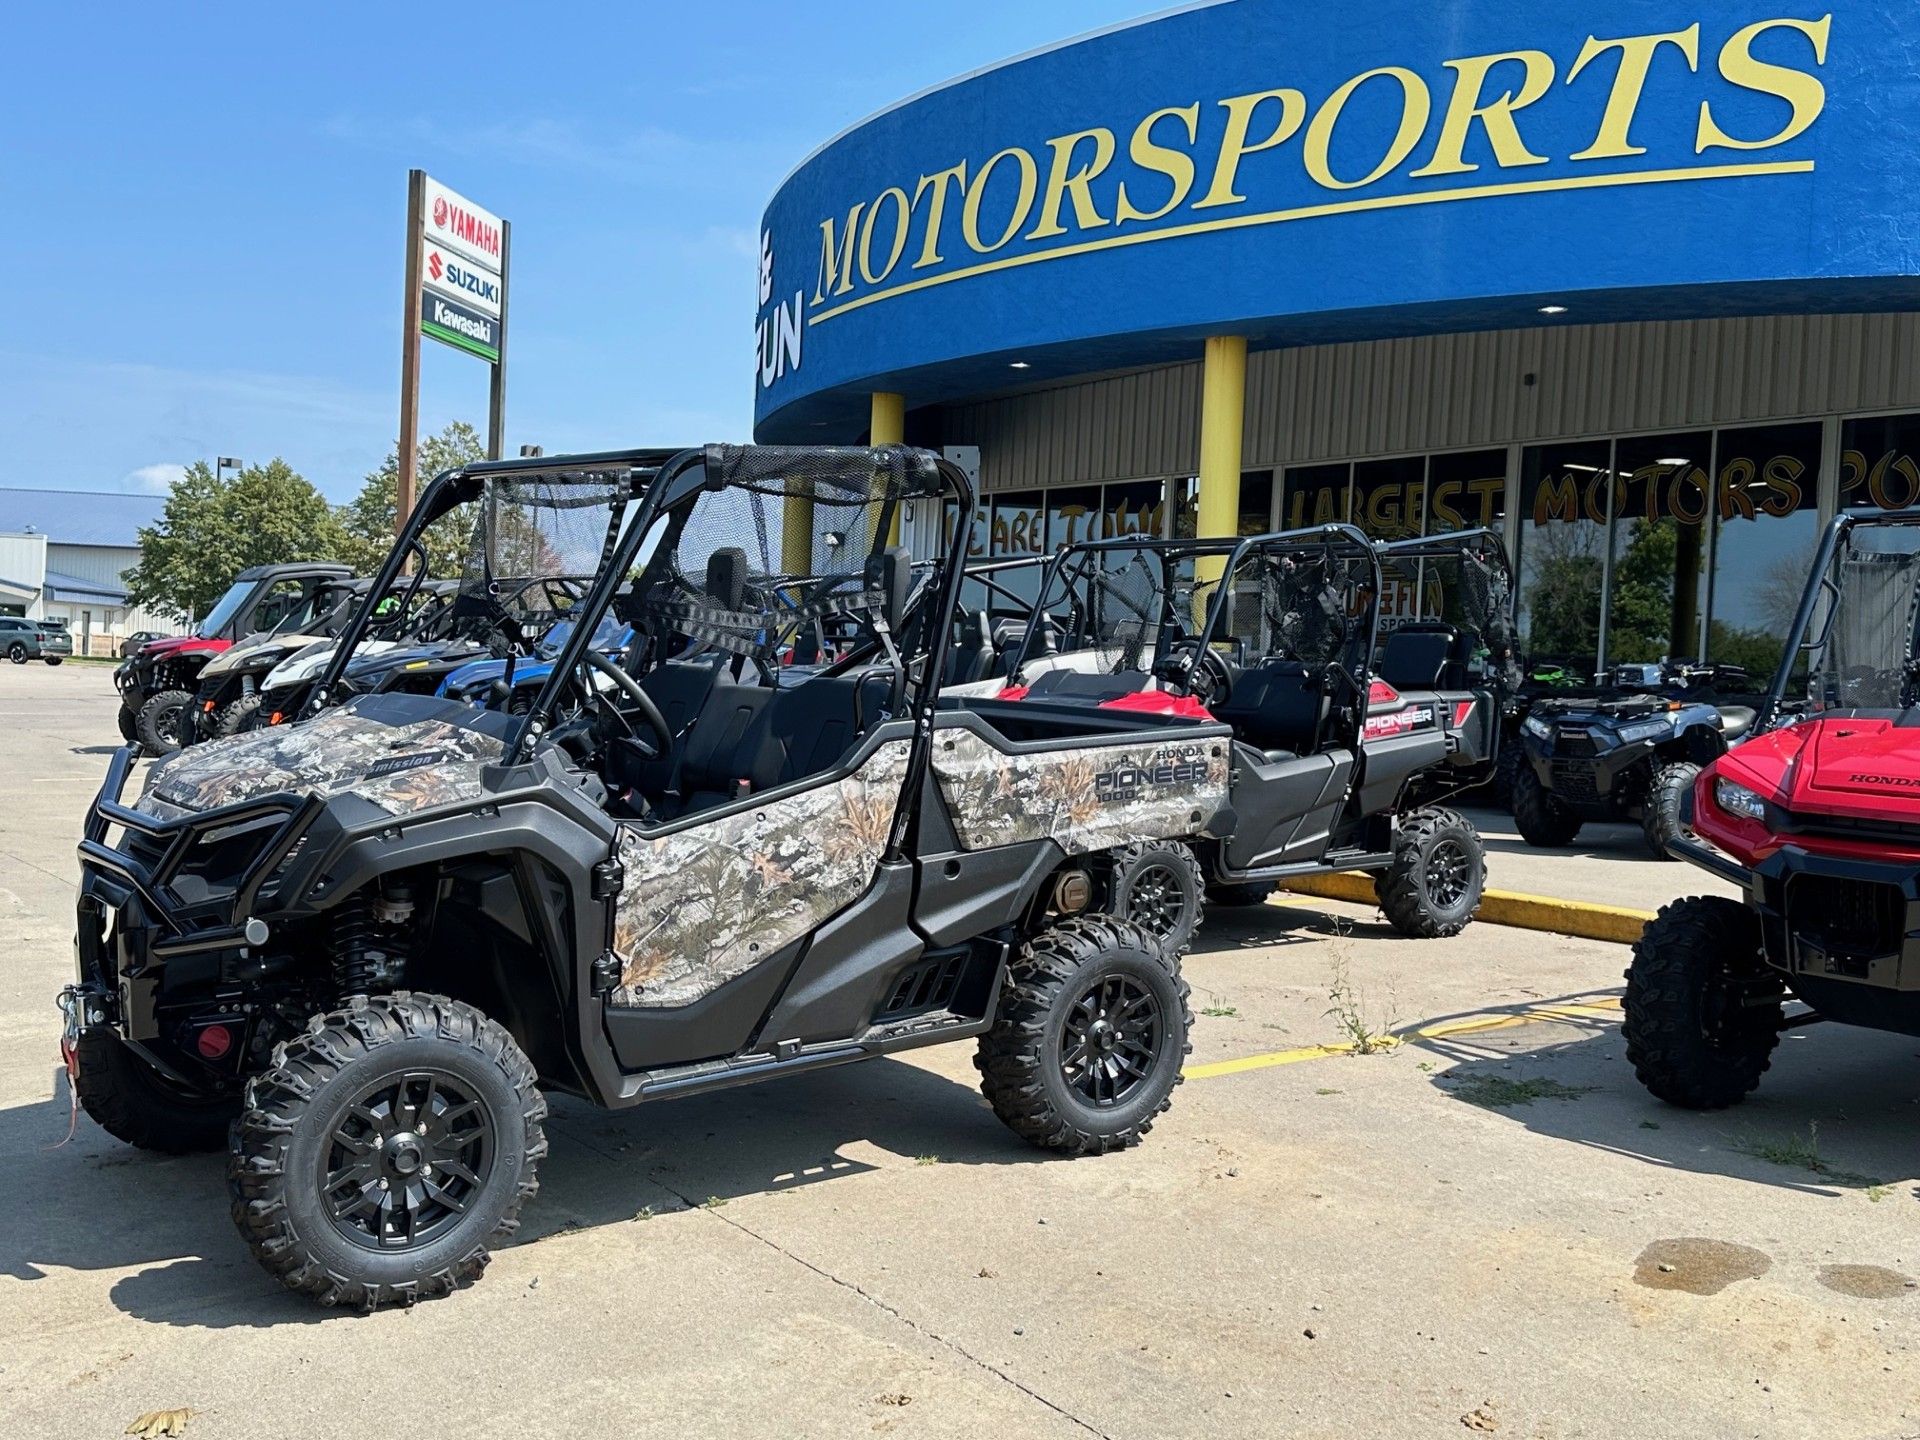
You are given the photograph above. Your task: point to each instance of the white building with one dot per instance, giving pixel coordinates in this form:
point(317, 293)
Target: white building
point(62, 557)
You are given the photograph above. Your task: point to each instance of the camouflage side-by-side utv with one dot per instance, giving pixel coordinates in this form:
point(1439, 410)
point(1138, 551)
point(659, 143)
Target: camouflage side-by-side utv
point(1343, 742)
point(356, 950)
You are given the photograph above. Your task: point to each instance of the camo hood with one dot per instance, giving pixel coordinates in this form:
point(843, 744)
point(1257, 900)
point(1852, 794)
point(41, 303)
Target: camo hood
point(400, 752)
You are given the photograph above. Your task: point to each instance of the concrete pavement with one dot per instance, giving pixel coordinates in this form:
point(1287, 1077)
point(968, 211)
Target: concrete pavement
point(1464, 1234)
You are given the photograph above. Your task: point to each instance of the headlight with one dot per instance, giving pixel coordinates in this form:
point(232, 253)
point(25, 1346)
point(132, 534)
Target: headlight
point(1536, 726)
point(1738, 800)
point(1644, 730)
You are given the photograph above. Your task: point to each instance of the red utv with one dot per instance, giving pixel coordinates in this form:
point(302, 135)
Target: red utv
point(1817, 821)
point(157, 681)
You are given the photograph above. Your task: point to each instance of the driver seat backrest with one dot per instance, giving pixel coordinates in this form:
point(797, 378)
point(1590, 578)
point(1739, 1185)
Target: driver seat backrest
point(1277, 705)
point(972, 654)
point(1420, 657)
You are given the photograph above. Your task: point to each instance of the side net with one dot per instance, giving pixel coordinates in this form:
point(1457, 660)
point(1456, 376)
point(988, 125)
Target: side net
point(537, 542)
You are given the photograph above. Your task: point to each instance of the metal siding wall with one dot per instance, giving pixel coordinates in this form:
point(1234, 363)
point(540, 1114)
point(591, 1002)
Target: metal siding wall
point(1444, 392)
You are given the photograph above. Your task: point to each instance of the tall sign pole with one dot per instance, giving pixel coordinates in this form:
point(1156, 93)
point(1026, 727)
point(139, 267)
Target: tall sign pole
point(410, 351)
point(456, 294)
point(497, 386)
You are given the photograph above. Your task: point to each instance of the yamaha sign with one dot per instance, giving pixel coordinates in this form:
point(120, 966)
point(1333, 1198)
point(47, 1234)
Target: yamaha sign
point(462, 283)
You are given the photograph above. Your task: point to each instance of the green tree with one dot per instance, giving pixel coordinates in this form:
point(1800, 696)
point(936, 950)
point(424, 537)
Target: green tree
point(215, 527)
point(368, 519)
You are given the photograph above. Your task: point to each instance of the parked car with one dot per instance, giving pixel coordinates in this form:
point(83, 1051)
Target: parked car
point(22, 640)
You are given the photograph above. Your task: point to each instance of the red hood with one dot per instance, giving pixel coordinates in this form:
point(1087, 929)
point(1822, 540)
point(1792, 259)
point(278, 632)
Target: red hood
point(1866, 766)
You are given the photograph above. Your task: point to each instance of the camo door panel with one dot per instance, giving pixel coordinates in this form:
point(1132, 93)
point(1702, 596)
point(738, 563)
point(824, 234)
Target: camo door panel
point(1086, 798)
point(705, 905)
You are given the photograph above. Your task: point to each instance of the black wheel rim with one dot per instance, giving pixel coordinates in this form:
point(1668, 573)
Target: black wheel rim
point(1449, 873)
point(1111, 1041)
point(1156, 901)
point(407, 1160)
point(166, 724)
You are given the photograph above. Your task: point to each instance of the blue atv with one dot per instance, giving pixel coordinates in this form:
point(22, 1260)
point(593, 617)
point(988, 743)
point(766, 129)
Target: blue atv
point(476, 681)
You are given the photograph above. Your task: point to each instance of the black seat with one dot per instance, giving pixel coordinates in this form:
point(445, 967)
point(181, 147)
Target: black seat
point(1736, 721)
point(971, 657)
point(1278, 705)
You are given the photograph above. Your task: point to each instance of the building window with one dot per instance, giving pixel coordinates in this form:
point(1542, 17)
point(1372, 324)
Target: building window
point(1315, 495)
point(1566, 493)
point(1766, 529)
point(1880, 463)
point(1662, 498)
point(1466, 490)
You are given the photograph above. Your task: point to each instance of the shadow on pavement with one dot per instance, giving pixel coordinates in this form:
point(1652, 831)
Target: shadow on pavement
point(1834, 1116)
point(95, 1204)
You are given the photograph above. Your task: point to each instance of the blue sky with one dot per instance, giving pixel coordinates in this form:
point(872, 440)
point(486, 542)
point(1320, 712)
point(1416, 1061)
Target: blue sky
point(204, 212)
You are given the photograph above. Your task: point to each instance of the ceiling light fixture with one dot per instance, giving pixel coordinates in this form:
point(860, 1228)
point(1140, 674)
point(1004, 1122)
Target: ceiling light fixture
point(1553, 309)
point(1019, 365)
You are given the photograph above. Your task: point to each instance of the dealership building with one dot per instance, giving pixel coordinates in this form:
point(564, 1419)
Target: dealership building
point(1635, 284)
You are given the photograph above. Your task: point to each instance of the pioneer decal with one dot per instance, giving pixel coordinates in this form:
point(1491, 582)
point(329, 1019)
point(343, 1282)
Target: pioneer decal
point(1400, 722)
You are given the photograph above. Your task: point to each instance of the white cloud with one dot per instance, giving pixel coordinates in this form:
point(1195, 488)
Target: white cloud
point(158, 478)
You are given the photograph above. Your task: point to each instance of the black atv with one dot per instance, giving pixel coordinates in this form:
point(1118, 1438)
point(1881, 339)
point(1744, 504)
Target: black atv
point(356, 949)
point(1629, 751)
point(1342, 744)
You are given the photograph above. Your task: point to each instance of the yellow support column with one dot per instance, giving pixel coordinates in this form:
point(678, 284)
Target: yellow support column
point(1223, 396)
point(888, 426)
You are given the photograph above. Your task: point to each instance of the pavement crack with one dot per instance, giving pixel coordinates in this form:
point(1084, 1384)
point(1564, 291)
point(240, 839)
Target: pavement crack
point(893, 1311)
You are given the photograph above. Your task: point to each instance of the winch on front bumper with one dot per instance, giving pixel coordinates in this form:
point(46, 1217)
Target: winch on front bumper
point(173, 901)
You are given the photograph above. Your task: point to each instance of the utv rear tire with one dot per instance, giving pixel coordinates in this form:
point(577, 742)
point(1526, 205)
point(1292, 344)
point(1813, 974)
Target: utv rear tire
point(159, 722)
point(235, 715)
point(1157, 885)
point(134, 1102)
point(1046, 1088)
point(1438, 873)
point(1506, 774)
point(1702, 1010)
point(1660, 820)
point(1542, 820)
point(129, 726)
point(1230, 897)
point(344, 1120)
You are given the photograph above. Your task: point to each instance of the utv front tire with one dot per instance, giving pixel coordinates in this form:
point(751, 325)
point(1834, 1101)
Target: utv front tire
point(1438, 873)
point(1089, 1038)
point(1157, 885)
point(132, 1101)
point(236, 716)
point(129, 728)
point(1542, 820)
point(1660, 820)
point(384, 1149)
point(160, 720)
point(1702, 1010)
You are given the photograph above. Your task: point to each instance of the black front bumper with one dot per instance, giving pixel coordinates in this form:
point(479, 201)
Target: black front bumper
point(1589, 773)
point(146, 907)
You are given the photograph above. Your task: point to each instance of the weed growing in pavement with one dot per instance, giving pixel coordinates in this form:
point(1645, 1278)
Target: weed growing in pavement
point(926, 1159)
point(1877, 1193)
point(1797, 1152)
point(1349, 1012)
point(712, 1202)
point(1496, 1092)
point(1221, 1012)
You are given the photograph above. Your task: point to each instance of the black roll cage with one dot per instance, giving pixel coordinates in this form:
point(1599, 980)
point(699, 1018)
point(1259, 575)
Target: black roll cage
point(1820, 582)
point(1348, 539)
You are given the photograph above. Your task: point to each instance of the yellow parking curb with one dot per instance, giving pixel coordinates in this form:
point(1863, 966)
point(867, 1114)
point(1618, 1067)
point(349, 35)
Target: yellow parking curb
point(1504, 907)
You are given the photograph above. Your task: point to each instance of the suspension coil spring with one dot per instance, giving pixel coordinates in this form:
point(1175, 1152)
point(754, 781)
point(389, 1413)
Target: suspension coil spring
point(355, 960)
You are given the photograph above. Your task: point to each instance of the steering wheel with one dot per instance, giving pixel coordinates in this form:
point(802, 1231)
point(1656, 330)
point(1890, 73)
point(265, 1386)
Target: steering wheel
point(642, 702)
point(1197, 669)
